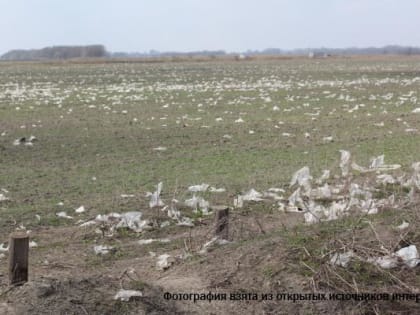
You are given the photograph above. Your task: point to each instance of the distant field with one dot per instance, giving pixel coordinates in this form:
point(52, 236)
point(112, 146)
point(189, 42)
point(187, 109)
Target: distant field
point(108, 129)
point(106, 120)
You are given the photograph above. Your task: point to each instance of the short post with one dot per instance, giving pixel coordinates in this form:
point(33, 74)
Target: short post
point(18, 258)
point(222, 223)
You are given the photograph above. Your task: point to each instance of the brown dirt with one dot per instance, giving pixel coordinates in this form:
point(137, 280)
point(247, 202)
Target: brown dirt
point(66, 277)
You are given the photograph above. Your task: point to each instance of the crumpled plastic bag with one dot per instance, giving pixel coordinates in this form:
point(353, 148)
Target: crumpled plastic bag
point(198, 203)
point(126, 295)
point(151, 240)
point(238, 201)
point(323, 192)
point(295, 200)
point(409, 256)
point(213, 242)
point(310, 218)
point(198, 188)
point(415, 178)
point(251, 195)
point(385, 262)
point(345, 162)
point(63, 214)
point(217, 190)
point(325, 175)
point(102, 249)
point(155, 200)
point(133, 221)
point(3, 249)
point(302, 177)
point(335, 211)
point(81, 209)
point(3, 198)
point(342, 259)
point(385, 179)
point(164, 261)
point(403, 225)
point(377, 164)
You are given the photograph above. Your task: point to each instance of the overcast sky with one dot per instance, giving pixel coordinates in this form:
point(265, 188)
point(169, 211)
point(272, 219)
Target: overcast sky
point(187, 25)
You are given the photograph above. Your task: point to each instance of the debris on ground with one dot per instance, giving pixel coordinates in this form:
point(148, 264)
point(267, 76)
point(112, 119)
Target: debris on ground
point(198, 204)
point(63, 214)
point(81, 209)
point(127, 196)
point(150, 241)
point(3, 249)
point(251, 195)
point(216, 190)
point(131, 220)
point(210, 244)
point(28, 142)
point(155, 200)
point(409, 255)
point(3, 198)
point(164, 261)
point(377, 164)
point(345, 162)
point(332, 200)
point(302, 177)
point(342, 259)
point(198, 188)
point(126, 295)
point(160, 149)
point(403, 226)
point(102, 249)
point(325, 175)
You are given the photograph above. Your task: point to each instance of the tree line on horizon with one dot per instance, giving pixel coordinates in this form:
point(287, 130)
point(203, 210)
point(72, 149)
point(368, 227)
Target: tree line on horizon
point(56, 52)
point(99, 51)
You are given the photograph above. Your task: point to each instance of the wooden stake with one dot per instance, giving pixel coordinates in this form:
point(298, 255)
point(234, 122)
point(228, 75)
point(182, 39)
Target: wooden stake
point(222, 223)
point(18, 258)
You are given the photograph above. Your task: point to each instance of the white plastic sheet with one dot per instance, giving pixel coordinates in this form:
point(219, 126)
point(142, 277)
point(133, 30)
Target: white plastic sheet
point(409, 255)
point(302, 177)
point(253, 195)
point(213, 242)
point(63, 214)
point(345, 162)
point(133, 221)
point(126, 295)
point(403, 226)
point(199, 188)
point(342, 259)
point(81, 209)
point(3, 248)
point(164, 262)
point(150, 241)
point(155, 200)
point(3, 198)
point(198, 204)
point(325, 175)
point(102, 249)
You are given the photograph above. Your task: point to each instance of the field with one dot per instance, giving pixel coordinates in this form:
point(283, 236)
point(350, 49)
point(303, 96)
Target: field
point(108, 133)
